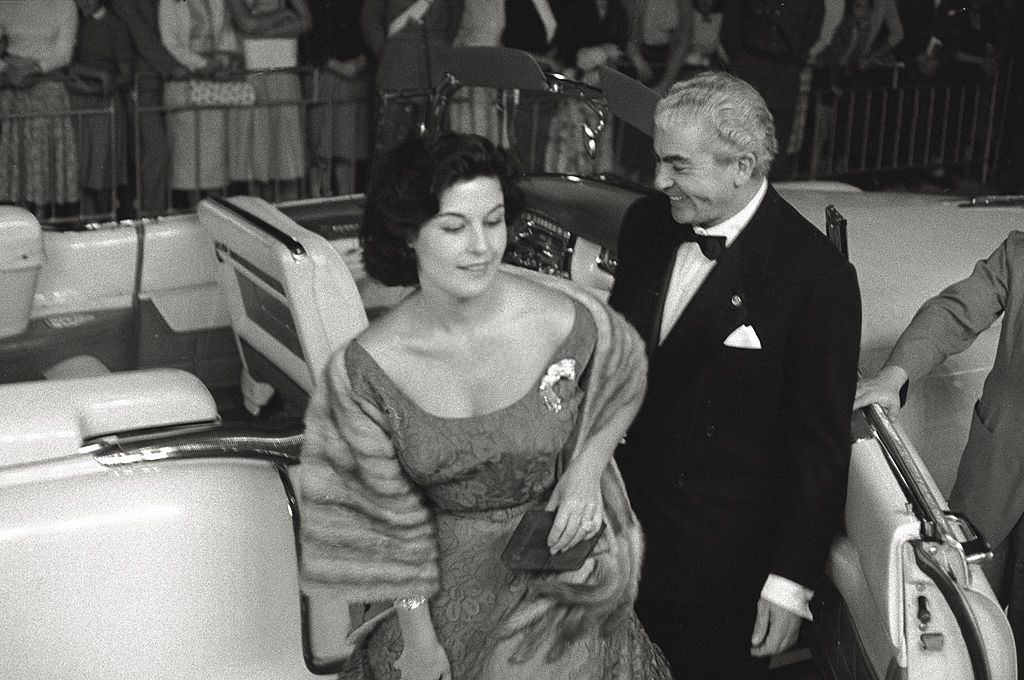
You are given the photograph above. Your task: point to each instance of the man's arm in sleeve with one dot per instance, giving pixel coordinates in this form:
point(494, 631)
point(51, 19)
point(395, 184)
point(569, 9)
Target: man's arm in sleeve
point(821, 377)
point(949, 323)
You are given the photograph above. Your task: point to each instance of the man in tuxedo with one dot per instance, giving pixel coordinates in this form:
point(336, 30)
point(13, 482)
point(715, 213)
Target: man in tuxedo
point(737, 463)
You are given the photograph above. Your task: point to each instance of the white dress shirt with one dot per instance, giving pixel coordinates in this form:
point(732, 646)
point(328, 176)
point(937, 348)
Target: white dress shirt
point(689, 272)
point(691, 268)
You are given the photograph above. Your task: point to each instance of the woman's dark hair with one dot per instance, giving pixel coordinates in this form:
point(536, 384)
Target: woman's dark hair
point(404, 188)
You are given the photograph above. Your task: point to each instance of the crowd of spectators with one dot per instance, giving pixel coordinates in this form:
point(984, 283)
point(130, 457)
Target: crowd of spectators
point(147, 64)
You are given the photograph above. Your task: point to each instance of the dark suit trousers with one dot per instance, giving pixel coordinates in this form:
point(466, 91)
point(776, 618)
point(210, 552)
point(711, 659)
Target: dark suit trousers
point(706, 641)
point(154, 155)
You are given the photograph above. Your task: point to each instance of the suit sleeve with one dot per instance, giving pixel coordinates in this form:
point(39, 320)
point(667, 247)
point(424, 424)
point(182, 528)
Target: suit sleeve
point(821, 377)
point(949, 323)
point(628, 259)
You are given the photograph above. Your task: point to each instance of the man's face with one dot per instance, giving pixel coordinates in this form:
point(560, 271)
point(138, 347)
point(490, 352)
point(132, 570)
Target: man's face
point(703, 190)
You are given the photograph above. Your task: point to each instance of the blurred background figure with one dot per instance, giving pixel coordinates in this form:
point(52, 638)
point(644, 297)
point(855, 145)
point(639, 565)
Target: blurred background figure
point(339, 131)
point(654, 30)
point(103, 66)
point(198, 33)
point(153, 63)
point(409, 40)
point(697, 45)
point(272, 159)
point(591, 33)
point(38, 157)
point(531, 25)
point(767, 42)
point(475, 109)
point(855, 50)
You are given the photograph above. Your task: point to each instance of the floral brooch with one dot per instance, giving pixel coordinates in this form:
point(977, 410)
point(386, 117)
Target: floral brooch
point(564, 368)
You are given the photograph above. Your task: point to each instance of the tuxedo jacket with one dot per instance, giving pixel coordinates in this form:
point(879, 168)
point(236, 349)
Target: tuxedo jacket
point(737, 462)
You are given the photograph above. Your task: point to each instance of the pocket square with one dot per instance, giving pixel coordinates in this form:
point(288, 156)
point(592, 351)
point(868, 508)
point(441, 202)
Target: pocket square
point(743, 337)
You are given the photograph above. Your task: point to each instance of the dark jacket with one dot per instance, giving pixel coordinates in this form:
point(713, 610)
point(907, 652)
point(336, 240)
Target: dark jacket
point(783, 30)
point(737, 462)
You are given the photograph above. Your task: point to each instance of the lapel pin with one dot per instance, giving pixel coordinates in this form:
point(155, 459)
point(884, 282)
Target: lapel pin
point(736, 300)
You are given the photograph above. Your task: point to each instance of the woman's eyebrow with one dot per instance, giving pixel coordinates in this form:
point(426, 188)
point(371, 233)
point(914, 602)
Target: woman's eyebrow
point(455, 213)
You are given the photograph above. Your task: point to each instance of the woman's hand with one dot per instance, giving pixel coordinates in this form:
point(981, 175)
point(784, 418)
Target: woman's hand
point(424, 660)
point(580, 509)
point(21, 69)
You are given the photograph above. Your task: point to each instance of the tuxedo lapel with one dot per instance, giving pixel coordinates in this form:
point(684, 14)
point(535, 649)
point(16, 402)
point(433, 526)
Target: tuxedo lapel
point(723, 302)
point(651, 277)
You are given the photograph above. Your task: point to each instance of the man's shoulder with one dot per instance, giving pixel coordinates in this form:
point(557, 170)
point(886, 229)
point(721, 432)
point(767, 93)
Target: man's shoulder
point(649, 206)
point(1015, 242)
point(805, 243)
point(641, 215)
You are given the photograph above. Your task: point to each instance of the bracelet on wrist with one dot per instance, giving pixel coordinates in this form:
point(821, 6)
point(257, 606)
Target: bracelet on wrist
point(407, 604)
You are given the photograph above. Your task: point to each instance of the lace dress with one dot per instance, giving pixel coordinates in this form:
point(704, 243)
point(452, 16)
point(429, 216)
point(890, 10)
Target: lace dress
point(480, 474)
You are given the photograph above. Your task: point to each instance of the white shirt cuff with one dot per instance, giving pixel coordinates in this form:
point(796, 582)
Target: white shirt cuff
point(789, 595)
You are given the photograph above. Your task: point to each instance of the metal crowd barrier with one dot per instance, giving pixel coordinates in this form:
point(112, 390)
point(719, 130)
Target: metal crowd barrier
point(880, 126)
point(280, 134)
point(182, 148)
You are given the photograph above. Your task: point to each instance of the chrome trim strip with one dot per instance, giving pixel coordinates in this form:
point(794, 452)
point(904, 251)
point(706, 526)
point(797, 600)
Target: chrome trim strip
point(936, 522)
point(999, 201)
point(277, 442)
point(290, 243)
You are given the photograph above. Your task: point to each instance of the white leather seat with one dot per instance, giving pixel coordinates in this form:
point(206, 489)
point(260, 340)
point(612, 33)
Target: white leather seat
point(292, 299)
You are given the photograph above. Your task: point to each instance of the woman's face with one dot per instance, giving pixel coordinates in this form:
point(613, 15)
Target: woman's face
point(459, 249)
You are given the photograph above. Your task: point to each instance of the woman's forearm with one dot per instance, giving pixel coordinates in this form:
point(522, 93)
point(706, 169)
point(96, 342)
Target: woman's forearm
point(414, 621)
point(601, 445)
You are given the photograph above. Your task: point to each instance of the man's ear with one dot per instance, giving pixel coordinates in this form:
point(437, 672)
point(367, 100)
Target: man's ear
point(745, 165)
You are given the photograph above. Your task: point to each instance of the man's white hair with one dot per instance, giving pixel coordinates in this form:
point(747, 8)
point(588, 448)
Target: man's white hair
point(732, 108)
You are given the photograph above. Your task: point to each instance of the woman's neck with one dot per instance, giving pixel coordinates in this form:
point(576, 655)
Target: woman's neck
point(456, 315)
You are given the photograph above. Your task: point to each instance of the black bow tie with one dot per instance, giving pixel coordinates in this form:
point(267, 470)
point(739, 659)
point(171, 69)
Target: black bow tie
point(711, 246)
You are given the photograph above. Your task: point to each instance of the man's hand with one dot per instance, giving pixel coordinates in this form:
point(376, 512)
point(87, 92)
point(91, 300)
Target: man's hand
point(775, 629)
point(883, 389)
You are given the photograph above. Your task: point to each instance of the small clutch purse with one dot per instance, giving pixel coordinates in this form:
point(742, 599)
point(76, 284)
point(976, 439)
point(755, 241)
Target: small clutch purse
point(528, 550)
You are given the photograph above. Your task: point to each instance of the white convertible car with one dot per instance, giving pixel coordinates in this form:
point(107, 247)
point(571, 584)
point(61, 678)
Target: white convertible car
point(147, 520)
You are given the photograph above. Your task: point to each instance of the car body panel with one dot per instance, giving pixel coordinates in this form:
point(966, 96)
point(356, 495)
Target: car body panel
point(160, 563)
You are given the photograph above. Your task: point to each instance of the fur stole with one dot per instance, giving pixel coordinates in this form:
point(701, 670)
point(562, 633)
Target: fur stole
point(367, 535)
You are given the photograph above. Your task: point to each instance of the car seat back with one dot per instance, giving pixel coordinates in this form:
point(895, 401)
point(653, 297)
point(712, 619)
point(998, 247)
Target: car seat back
point(291, 298)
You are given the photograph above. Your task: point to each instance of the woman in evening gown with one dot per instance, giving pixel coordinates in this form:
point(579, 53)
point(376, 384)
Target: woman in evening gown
point(488, 391)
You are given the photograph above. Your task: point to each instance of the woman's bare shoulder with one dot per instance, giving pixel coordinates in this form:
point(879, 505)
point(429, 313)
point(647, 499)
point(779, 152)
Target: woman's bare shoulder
point(549, 307)
point(383, 334)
